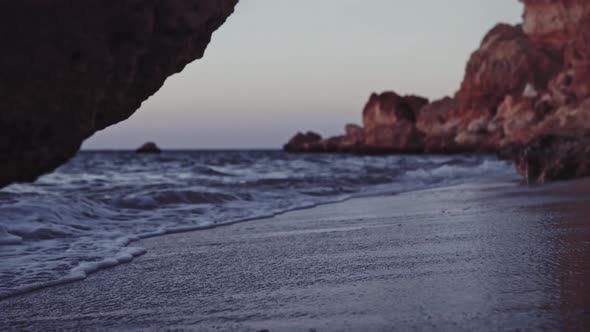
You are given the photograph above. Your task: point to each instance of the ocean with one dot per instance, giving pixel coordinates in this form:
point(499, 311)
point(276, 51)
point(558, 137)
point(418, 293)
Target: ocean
point(86, 215)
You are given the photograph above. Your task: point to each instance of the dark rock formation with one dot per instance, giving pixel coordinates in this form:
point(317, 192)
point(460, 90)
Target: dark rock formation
point(303, 142)
point(550, 158)
point(70, 68)
point(149, 147)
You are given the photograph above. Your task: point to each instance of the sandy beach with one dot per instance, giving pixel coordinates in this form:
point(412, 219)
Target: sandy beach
point(486, 256)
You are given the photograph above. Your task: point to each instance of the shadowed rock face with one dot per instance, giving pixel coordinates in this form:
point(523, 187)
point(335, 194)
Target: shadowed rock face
point(549, 158)
point(69, 68)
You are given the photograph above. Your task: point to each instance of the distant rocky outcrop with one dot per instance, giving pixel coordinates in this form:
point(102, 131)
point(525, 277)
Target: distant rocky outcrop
point(389, 123)
point(149, 147)
point(524, 84)
point(71, 68)
point(302, 142)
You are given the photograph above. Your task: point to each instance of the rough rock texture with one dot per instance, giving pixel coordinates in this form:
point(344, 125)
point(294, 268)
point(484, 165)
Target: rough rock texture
point(70, 68)
point(550, 158)
point(551, 127)
point(438, 122)
point(312, 142)
point(505, 63)
point(389, 122)
point(149, 147)
point(554, 22)
point(524, 84)
point(389, 126)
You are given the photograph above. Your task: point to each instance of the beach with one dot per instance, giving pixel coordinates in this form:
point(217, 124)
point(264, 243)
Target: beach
point(494, 255)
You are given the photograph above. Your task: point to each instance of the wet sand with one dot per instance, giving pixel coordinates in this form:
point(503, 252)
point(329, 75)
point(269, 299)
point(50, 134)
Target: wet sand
point(488, 256)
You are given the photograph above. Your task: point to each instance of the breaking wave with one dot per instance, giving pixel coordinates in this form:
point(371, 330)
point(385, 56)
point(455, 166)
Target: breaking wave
point(86, 215)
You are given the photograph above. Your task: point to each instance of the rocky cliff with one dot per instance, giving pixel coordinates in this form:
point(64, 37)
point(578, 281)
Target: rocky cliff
point(70, 68)
point(525, 83)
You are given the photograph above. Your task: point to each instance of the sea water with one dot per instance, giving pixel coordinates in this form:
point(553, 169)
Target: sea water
point(86, 215)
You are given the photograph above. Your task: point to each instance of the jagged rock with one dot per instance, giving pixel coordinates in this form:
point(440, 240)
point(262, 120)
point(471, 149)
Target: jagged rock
point(355, 132)
point(506, 62)
point(352, 140)
point(400, 137)
point(438, 122)
point(149, 147)
point(416, 103)
point(390, 108)
point(526, 90)
point(554, 23)
point(550, 158)
point(70, 68)
point(389, 123)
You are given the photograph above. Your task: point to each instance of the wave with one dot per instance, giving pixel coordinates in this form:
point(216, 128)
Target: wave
point(154, 200)
point(83, 217)
point(453, 171)
point(7, 238)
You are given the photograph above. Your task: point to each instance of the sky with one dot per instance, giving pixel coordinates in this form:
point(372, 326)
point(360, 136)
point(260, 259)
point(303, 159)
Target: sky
point(281, 66)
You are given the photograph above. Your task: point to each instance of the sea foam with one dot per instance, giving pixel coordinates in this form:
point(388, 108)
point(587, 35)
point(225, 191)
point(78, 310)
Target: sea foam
point(86, 216)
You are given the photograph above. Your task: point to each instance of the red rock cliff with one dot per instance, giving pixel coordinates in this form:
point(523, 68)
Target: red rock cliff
point(70, 68)
point(389, 122)
point(525, 83)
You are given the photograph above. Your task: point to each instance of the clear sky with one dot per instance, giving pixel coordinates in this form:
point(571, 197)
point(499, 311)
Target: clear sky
point(280, 66)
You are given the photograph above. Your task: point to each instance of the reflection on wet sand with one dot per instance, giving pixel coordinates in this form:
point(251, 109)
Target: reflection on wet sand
point(492, 256)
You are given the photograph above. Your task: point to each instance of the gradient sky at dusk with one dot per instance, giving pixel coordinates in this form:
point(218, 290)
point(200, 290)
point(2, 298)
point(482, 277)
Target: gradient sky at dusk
point(280, 66)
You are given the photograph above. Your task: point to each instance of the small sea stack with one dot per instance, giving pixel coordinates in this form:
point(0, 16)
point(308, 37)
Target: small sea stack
point(149, 147)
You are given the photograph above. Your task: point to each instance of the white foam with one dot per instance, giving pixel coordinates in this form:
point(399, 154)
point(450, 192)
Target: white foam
point(451, 173)
point(125, 256)
point(72, 223)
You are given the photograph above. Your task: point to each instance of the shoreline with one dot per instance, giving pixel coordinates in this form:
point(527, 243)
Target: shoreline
point(288, 233)
point(129, 252)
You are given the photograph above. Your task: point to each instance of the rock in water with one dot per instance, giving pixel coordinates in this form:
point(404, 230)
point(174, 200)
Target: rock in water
point(149, 147)
point(71, 68)
point(551, 158)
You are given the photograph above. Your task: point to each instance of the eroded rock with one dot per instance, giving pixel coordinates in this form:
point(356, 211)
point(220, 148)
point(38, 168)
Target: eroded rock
point(550, 158)
point(440, 126)
point(389, 123)
point(505, 64)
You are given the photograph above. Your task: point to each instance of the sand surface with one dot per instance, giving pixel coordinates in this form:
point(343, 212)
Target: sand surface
point(488, 256)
